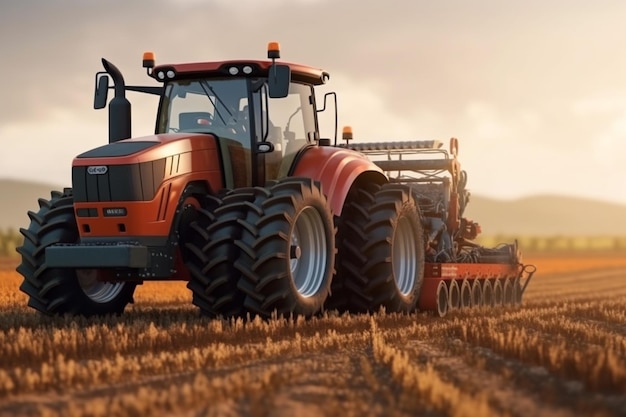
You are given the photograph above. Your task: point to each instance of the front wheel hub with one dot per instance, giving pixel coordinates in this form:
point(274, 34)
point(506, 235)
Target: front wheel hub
point(98, 291)
point(295, 252)
point(308, 252)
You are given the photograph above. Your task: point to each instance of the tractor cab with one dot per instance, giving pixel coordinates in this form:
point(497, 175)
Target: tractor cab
point(256, 133)
point(262, 113)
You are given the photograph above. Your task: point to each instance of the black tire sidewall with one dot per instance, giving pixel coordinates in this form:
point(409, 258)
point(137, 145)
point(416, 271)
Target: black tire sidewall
point(58, 289)
point(408, 302)
point(265, 258)
point(384, 223)
point(312, 304)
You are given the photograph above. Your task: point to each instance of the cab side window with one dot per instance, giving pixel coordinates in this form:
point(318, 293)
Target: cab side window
point(291, 127)
point(294, 115)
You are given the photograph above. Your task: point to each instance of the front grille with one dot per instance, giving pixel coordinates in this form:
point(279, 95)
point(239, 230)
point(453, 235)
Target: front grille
point(132, 182)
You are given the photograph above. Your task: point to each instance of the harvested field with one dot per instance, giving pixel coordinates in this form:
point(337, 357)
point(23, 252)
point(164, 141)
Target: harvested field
point(562, 353)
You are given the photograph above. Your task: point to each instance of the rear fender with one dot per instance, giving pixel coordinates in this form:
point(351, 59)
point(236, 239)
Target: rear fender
point(337, 169)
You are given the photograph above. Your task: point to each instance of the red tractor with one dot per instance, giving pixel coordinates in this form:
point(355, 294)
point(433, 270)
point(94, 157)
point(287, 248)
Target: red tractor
point(237, 194)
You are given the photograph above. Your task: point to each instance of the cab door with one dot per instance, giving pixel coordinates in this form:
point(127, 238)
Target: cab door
point(290, 125)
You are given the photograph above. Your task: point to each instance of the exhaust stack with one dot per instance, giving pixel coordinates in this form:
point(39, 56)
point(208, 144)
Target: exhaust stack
point(119, 106)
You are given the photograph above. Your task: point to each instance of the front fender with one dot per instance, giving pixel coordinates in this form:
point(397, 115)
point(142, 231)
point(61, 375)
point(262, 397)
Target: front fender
point(337, 169)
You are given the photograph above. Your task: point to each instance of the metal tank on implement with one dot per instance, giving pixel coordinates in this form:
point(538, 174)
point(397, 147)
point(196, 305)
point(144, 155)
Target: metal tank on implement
point(236, 193)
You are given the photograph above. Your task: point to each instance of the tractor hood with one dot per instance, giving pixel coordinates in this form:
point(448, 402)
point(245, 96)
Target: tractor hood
point(135, 169)
point(145, 149)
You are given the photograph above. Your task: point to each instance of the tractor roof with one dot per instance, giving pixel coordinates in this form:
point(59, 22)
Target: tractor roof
point(250, 68)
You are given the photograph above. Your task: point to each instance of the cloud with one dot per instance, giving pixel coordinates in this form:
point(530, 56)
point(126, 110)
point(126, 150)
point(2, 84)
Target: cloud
point(609, 102)
point(440, 55)
point(44, 152)
point(529, 81)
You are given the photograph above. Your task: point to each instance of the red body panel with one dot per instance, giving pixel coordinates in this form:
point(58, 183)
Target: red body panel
point(470, 270)
point(336, 169)
point(191, 158)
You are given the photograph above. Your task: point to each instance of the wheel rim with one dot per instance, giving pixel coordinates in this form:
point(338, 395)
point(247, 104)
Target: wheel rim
point(497, 292)
point(466, 294)
point(517, 291)
point(507, 292)
point(442, 299)
point(477, 294)
point(488, 293)
point(308, 252)
point(403, 256)
point(454, 293)
point(97, 291)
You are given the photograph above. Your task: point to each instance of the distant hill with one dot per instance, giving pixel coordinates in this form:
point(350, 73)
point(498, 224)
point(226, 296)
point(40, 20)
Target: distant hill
point(532, 216)
point(17, 197)
point(548, 215)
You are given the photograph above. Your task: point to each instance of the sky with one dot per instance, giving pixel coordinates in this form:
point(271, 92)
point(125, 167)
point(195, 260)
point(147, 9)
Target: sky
point(535, 91)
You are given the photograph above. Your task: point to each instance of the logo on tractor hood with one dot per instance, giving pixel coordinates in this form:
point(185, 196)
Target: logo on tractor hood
point(97, 170)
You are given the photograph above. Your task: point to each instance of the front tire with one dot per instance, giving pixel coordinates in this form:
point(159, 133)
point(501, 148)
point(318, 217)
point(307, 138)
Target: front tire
point(211, 255)
point(287, 250)
point(56, 291)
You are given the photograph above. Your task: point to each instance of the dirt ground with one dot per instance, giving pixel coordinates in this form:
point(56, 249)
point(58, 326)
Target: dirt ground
point(562, 353)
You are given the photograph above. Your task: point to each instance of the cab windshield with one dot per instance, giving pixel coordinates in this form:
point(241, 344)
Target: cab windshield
point(221, 107)
point(206, 106)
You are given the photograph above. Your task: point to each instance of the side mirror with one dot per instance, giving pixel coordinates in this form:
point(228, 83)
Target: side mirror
point(278, 80)
point(102, 91)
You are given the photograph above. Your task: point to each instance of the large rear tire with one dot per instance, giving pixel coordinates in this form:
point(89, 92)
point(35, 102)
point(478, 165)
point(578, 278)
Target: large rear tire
point(287, 250)
point(395, 250)
point(347, 287)
point(56, 291)
point(211, 254)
